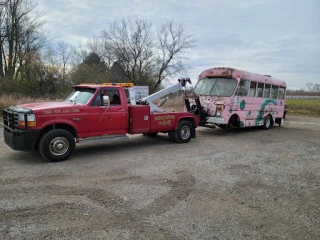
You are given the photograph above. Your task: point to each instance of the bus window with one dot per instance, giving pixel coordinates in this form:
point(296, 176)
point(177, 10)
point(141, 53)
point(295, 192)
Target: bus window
point(274, 92)
point(260, 89)
point(253, 86)
point(243, 88)
point(281, 93)
point(223, 87)
point(198, 87)
point(266, 93)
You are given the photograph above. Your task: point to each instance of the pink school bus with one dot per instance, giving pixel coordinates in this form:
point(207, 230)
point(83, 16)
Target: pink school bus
point(228, 97)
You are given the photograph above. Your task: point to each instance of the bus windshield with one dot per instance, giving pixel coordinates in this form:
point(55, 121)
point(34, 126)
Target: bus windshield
point(222, 87)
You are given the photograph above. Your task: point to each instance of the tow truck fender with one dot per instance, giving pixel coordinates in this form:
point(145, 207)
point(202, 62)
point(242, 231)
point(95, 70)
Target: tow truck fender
point(59, 121)
point(191, 118)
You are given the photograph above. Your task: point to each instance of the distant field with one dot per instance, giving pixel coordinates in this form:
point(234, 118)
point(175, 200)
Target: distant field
point(304, 107)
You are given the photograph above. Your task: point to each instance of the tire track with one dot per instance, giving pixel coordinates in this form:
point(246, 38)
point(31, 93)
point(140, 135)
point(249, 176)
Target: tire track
point(102, 209)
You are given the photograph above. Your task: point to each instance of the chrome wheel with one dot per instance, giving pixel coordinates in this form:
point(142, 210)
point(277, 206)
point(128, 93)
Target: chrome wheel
point(185, 132)
point(59, 146)
point(268, 122)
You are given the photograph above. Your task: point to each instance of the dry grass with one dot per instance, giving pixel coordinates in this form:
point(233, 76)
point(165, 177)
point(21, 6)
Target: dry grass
point(174, 104)
point(15, 99)
point(304, 107)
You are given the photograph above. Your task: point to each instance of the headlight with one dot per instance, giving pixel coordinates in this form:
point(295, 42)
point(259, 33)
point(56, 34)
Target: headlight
point(219, 110)
point(31, 120)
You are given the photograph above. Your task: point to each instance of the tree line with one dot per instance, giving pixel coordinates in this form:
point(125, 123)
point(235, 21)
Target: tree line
point(312, 89)
point(127, 50)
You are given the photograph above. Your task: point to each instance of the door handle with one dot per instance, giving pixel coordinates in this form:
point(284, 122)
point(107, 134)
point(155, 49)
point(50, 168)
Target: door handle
point(120, 110)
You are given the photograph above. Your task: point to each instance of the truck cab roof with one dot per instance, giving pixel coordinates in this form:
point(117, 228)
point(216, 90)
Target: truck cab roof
point(93, 86)
point(101, 85)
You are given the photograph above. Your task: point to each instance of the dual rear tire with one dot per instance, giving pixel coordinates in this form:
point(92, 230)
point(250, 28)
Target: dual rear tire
point(183, 133)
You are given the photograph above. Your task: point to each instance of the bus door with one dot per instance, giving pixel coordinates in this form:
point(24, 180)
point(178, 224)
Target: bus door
point(243, 105)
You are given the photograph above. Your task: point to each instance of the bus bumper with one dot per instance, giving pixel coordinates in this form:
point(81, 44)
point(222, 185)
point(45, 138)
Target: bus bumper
point(216, 120)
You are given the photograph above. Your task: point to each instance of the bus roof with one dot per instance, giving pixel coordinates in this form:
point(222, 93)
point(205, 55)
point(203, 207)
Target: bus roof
point(236, 73)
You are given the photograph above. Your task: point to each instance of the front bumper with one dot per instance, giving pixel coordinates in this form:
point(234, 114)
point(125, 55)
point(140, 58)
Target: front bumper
point(216, 120)
point(22, 140)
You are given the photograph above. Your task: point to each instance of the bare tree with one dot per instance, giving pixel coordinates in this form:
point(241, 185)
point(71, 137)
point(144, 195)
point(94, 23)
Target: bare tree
point(99, 47)
point(131, 45)
point(174, 42)
point(64, 54)
point(144, 57)
point(21, 36)
point(309, 86)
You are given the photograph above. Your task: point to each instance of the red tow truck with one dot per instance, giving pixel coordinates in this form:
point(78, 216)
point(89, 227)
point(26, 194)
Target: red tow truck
point(93, 112)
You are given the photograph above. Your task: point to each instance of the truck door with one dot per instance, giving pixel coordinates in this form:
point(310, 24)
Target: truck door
point(112, 119)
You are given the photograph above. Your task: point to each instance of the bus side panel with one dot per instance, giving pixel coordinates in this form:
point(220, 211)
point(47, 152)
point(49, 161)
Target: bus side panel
point(252, 111)
point(264, 107)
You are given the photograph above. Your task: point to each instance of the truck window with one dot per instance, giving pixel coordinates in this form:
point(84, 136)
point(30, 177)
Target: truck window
point(114, 96)
point(80, 95)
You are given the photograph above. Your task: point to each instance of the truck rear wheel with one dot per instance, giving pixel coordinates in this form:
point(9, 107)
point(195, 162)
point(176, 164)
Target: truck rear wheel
point(57, 145)
point(183, 132)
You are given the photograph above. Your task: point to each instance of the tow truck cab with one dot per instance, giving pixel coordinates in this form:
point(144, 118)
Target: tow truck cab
point(92, 112)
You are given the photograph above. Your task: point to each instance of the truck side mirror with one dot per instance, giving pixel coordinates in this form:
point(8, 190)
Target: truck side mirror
point(106, 101)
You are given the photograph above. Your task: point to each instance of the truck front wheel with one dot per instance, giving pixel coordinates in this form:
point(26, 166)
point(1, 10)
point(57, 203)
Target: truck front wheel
point(183, 132)
point(57, 145)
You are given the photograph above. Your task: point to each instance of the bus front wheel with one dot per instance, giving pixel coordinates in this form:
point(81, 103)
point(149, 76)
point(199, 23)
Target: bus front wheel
point(267, 122)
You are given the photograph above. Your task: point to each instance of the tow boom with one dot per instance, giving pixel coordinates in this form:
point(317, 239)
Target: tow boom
point(163, 93)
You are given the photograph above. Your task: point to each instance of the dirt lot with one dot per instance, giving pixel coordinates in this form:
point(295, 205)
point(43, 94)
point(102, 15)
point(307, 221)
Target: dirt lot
point(244, 184)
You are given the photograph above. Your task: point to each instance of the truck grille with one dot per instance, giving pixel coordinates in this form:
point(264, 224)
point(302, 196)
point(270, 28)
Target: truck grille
point(10, 119)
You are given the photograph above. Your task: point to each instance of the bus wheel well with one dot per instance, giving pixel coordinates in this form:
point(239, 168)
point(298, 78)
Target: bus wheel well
point(271, 119)
point(234, 120)
point(63, 126)
point(193, 123)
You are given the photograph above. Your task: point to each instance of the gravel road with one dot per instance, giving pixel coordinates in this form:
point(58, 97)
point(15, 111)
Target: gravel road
point(242, 184)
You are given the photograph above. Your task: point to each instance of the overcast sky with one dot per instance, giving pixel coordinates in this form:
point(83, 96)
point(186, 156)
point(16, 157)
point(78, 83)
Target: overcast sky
point(276, 37)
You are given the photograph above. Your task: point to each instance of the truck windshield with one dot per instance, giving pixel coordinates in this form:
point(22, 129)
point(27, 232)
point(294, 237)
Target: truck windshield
point(222, 87)
point(80, 95)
